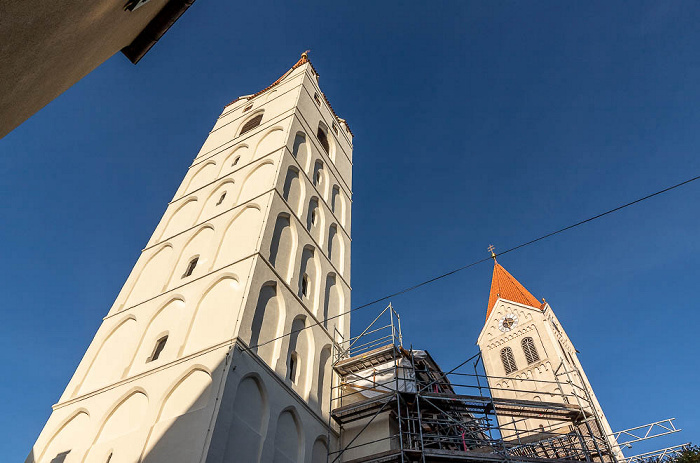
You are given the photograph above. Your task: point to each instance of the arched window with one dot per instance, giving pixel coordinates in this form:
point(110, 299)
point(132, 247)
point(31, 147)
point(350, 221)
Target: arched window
point(331, 301)
point(297, 352)
point(332, 232)
point(299, 140)
point(322, 136)
point(508, 360)
point(334, 198)
point(323, 366)
point(308, 276)
point(318, 173)
point(292, 176)
point(312, 217)
point(251, 124)
point(530, 351)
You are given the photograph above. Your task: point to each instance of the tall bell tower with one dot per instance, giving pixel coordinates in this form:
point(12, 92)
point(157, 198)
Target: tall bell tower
point(527, 355)
point(195, 362)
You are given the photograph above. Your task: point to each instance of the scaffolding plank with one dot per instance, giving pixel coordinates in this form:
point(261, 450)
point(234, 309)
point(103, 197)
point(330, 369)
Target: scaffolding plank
point(377, 356)
point(362, 409)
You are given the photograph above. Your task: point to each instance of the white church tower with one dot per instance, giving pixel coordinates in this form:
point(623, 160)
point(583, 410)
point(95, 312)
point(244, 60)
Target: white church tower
point(527, 355)
point(193, 362)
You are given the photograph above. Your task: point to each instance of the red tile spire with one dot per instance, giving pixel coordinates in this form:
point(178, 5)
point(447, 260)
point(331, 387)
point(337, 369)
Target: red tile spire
point(505, 286)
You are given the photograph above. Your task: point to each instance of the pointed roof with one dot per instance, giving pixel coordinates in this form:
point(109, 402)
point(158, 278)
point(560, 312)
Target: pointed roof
point(505, 286)
point(303, 60)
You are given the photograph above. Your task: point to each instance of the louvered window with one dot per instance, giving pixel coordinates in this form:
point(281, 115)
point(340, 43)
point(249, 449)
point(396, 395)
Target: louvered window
point(252, 123)
point(530, 351)
point(508, 360)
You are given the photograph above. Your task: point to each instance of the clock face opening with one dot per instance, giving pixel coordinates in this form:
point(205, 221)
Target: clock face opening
point(508, 322)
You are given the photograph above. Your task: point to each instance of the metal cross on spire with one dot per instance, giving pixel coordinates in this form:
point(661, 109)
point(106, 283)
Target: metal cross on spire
point(490, 249)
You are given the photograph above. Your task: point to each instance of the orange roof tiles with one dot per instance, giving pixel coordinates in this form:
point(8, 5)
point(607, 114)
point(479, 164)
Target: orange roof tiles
point(505, 286)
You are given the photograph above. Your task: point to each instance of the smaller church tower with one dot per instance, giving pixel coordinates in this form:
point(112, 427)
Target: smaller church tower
point(528, 356)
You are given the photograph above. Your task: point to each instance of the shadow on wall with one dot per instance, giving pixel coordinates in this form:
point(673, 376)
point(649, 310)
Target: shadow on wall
point(249, 427)
point(140, 428)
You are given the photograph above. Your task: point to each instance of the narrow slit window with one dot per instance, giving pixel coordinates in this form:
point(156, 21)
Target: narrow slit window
point(335, 128)
point(317, 99)
point(160, 345)
point(305, 285)
point(529, 350)
point(221, 198)
point(334, 199)
point(247, 108)
point(312, 215)
point(508, 360)
point(190, 267)
point(235, 161)
point(293, 366)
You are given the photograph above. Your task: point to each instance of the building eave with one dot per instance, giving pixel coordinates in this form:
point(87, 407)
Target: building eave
point(155, 29)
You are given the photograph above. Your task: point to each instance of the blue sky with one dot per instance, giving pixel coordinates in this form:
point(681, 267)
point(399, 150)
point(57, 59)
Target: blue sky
point(475, 123)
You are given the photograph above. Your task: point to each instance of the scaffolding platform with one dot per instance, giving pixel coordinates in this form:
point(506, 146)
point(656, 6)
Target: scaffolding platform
point(372, 358)
point(396, 405)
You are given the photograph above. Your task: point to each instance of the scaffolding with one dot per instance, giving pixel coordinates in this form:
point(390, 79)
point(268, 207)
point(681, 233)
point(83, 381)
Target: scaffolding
point(392, 404)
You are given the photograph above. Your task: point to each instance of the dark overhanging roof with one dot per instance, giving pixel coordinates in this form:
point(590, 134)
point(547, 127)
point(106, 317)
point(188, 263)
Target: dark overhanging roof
point(155, 29)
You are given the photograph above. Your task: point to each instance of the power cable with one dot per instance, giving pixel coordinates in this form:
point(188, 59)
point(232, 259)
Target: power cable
point(481, 261)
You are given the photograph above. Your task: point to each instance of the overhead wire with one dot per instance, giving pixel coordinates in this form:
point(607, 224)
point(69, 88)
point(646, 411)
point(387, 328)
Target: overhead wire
point(481, 261)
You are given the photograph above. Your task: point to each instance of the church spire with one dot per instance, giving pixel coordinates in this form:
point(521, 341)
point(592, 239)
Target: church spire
point(505, 286)
point(303, 60)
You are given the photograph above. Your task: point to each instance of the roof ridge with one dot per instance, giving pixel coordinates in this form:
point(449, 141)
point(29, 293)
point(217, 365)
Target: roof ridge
point(303, 60)
point(505, 286)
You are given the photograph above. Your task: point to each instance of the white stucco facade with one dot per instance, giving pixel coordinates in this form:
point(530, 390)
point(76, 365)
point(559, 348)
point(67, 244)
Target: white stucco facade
point(551, 373)
point(193, 362)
